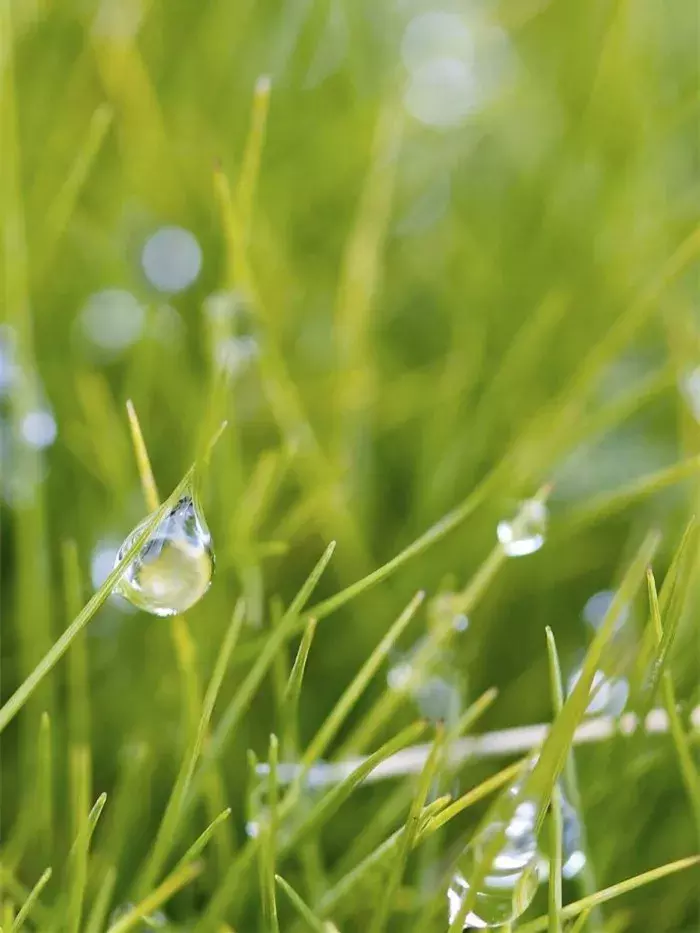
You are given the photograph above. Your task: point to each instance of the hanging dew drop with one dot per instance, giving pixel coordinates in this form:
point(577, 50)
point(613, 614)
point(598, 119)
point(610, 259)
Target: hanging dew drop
point(510, 883)
point(525, 533)
point(173, 569)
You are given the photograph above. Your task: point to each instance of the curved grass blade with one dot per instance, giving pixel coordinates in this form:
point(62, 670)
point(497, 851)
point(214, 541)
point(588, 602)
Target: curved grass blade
point(100, 908)
point(292, 692)
point(304, 911)
point(200, 843)
point(268, 842)
point(33, 896)
point(172, 884)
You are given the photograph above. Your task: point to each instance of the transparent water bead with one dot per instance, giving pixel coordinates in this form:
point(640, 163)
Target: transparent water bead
point(510, 883)
point(173, 569)
point(526, 532)
point(609, 695)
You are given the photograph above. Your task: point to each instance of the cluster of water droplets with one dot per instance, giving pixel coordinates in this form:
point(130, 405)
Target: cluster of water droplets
point(510, 881)
point(173, 568)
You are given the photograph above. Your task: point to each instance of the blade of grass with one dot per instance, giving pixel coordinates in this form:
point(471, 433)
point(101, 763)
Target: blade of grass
point(250, 165)
point(200, 843)
point(304, 911)
point(689, 772)
point(100, 908)
point(78, 695)
point(539, 925)
point(165, 836)
point(268, 843)
point(19, 698)
point(44, 786)
point(555, 862)
point(172, 884)
point(29, 903)
point(580, 923)
point(143, 462)
point(241, 700)
point(292, 691)
point(409, 835)
point(19, 893)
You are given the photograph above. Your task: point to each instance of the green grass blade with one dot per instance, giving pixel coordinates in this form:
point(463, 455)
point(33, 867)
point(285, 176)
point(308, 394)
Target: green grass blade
point(250, 164)
point(29, 903)
point(614, 891)
point(96, 921)
point(345, 704)
point(44, 786)
point(268, 844)
point(240, 702)
point(18, 699)
point(143, 461)
point(165, 836)
point(555, 862)
point(78, 695)
point(304, 911)
point(290, 705)
point(581, 921)
point(172, 884)
point(201, 842)
point(409, 835)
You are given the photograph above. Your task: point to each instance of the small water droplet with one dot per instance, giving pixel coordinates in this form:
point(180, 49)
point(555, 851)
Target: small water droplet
point(609, 695)
point(173, 569)
point(38, 428)
point(597, 607)
point(155, 921)
point(171, 259)
point(510, 883)
point(574, 857)
point(525, 533)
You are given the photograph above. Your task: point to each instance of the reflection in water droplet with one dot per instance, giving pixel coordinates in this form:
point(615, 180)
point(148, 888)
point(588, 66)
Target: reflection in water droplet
point(38, 428)
point(597, 606)
point(173, 569)
point(510, 883)
point(525, 533)
point(574, 857)
point(609, 695)
point(112, 320)
point(171, 259)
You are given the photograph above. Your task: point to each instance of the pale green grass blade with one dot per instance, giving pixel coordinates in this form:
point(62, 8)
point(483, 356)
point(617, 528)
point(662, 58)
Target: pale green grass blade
point(31, 900)
point(614, 891)
point(409, 835)
point(304, 911)
point(689, 770)
point(79, 864)
point(555, 862)
point(143, 461)
point(345, 704)
point(201, 842)
point(580, 923)
point(97, 918)
point(44, 786)
point(168, 828)
point(19, 893)
point(268, 844)
point(79, 695)
point(252, 155)
point(18, 699)
point(172, 884)
point(240, 702)
point(290, 704)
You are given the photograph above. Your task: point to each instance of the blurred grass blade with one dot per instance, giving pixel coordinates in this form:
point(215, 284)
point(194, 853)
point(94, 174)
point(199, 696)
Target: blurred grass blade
point(96, 922)
point(172, 884)
point(143, 461)
point(305, 912)
point(555, 862)
point(690, 773)
point(200, 843)
point(616, 890)
point(18, 699)
point(290, 705)
point(241, 700)
point(580, 923)
point(28, 905)
point(78, 677)
point(168, 828)
point(409, 835)
point(268, 843)
point(250, 164)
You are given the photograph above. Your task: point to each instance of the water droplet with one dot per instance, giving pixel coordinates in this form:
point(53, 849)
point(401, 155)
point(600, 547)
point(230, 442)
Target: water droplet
point(574, 857)
point(525, 533)
point(510, 883)
point(112, 320)
point(155, 921)
point(171, 259)
point(597, 607)
point(435, 34)
point(609, 695)
point(441, 93)
point(174, 567)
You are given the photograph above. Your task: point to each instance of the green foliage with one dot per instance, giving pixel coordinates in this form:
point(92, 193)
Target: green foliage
point(408, 329)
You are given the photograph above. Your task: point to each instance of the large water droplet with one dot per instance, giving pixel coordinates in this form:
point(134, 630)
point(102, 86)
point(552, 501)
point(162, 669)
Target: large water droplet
point(525, 533)
point(173, 569)
point(609, 695)
point(510, 883)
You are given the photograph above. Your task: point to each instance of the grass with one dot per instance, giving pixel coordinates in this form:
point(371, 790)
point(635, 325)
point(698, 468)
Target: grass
point(407, 330)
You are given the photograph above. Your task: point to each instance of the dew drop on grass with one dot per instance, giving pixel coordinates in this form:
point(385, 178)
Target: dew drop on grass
point(574, 858)
point(173, 569)
point(510, 883)
point(526, 532)
point(608, 695)
point(155, 921)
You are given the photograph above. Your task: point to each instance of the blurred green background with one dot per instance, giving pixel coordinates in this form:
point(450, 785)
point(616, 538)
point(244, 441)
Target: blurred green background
point(460, 238)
